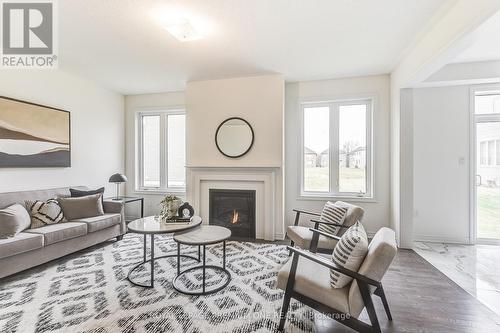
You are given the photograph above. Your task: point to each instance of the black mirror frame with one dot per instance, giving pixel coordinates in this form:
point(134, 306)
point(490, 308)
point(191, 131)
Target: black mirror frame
point(249, 147)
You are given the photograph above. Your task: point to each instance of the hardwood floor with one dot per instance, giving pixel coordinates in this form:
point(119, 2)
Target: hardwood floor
point(422, 299)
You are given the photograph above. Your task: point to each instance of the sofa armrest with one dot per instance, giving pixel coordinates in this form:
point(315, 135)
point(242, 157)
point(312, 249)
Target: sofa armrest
point(116, 207)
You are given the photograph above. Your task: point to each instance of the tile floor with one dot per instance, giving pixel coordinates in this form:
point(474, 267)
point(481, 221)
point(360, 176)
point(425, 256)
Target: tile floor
point(475, 268)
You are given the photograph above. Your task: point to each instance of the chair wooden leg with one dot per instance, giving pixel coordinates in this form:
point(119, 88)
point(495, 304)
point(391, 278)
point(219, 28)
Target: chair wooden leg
point(284, 311)
point(380, 292)
point(370, 308)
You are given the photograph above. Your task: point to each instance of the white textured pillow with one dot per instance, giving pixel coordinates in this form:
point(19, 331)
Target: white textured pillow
point(44, 212)
point(349, 253)
point(332, 213)
point(13, 220)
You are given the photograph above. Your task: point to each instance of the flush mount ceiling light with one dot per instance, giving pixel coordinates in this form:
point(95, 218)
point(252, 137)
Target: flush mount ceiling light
point(182, 24)
point(183, 31)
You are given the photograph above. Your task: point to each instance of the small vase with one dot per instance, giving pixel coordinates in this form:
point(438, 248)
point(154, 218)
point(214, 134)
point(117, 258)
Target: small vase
point(171, 209)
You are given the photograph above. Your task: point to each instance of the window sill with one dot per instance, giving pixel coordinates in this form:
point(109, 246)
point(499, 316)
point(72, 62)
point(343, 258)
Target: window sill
point(161, 191)
point(322, 197)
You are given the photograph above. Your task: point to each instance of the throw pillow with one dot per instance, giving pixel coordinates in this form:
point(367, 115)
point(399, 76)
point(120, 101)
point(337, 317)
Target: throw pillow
point(75, 193)
point(82, 207)
point(13, 220)
point(44, 212)
point(332, 213)
point(349, 253)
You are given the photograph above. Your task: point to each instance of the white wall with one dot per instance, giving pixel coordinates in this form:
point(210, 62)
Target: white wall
point(258, 100)
point(134, 103)
point(441, 164)
point(377, 212)
point(97, 124)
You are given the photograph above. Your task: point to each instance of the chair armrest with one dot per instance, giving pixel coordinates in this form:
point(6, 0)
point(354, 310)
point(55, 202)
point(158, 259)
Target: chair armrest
point(316, 222)
point(297, 215)
point(306, 212)
point(326, 234)
point(113, 206)
point(331, 265)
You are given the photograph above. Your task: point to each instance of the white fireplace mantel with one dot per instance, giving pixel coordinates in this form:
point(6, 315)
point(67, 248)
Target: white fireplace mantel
point(268, 223)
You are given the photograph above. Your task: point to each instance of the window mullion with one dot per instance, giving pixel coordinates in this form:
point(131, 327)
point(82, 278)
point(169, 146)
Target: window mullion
point(163, 151)
point(334, 148)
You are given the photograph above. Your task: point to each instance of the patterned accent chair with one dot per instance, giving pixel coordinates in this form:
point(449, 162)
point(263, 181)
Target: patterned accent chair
point(306, 277)
point(301, 235)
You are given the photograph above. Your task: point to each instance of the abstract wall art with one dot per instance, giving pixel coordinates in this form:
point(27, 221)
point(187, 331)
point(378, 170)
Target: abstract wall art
point(33, 135)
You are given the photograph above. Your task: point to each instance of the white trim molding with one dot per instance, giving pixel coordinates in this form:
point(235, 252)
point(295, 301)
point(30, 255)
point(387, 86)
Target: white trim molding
point(269, 219)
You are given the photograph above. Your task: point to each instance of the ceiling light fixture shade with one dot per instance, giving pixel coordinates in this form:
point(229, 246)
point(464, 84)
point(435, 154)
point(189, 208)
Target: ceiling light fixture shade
point(182, 23)
point(183, 31)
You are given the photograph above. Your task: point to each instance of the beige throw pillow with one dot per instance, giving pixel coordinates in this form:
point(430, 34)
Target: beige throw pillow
point(332, 213)
point(82, 207)
point(13, 220)
point(350, 252)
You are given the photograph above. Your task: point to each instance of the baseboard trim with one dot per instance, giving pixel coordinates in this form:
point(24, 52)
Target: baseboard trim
point(441, 239)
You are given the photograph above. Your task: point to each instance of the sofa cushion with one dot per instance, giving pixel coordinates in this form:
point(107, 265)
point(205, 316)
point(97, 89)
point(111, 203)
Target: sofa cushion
point(313, 281)
point(13, 220)
point(22, 242)
point(100, 222)
point(82, 207)
point(59, 232)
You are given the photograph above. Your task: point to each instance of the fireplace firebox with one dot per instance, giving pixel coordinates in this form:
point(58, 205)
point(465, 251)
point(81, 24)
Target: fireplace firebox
point(233, 209)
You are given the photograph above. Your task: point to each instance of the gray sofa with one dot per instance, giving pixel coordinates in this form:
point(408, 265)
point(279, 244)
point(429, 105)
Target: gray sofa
point(33, 247)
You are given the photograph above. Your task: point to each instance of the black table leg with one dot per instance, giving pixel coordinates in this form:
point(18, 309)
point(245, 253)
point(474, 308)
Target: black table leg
point(224, 255)
point(142, 207)
point(145, 241)
point(204, 262)
point(178, 258)
point(199, 253)
point(152, 260)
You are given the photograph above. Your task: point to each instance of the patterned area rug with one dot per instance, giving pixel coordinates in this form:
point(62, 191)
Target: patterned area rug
point(88, 292)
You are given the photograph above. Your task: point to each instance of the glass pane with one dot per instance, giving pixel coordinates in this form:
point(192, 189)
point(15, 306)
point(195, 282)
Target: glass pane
point(498, 152)
point(316, 149)
point(151, 150)
point(176, 150)
point(352, 148)
point(487, 104)
point(488, 180)
point(491, 152)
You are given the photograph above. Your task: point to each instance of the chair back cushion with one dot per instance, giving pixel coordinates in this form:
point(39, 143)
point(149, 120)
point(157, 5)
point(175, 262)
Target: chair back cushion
point(332, 213)
point(353, 215)
point(349, 253)
point(381, 252)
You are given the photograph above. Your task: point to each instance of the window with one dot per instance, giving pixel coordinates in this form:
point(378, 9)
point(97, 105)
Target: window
point(489, 152)
point(336, 149)
point(161, 150)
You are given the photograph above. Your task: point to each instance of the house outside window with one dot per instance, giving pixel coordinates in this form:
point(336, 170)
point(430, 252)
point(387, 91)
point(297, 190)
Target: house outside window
point(336, 149)
point(161, 150)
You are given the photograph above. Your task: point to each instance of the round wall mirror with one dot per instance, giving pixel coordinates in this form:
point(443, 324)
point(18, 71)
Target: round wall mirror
point(234, 137)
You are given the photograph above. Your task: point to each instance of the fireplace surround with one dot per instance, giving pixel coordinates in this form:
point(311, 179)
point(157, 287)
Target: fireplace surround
point(233, 209)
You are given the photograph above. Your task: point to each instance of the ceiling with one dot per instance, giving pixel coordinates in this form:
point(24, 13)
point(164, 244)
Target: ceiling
point(118, 44)
point(485, 44)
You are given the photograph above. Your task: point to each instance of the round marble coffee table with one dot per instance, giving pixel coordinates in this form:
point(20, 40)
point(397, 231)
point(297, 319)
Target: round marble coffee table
point(152, 226)
point(202, 236)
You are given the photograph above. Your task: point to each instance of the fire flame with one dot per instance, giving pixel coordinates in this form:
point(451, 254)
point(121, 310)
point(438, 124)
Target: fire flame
point(235, 216)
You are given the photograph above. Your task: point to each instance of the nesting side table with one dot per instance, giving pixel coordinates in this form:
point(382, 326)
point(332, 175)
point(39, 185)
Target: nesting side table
point(202, 236)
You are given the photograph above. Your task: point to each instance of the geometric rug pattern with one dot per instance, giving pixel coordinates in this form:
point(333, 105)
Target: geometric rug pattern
point(88, 292)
